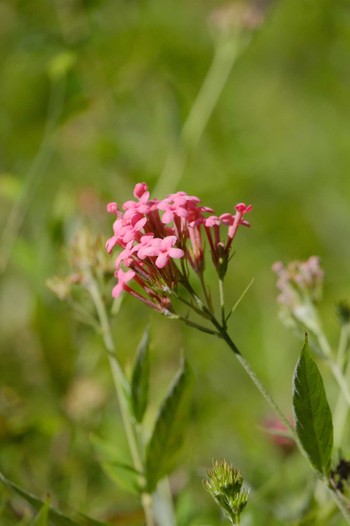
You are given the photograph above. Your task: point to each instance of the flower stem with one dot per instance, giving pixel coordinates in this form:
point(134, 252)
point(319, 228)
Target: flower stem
point(122, 388)
point(259, 385)
point(33, 177)
point(222, 302)
point(335, 368)
point(338, 501)
point(227, 50)
point(342, 408)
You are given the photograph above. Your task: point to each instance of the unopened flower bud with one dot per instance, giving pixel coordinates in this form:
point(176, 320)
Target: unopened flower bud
point(224, 483)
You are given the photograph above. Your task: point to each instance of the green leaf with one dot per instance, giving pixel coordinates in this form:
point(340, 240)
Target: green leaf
point(313, 419)
point(57, 518)
point(140, 379)
point(43, 516)
point(121, 473)
point(168, 434)
point(124, 475)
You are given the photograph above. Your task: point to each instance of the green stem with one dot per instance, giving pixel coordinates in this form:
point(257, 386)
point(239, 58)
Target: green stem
point(34, 175)
point(335, 368)
point(222, 303)
point(342, 382)
point(338, 501)
point(275, 407)
point(227, 50)
point(222, 333)
point(342, 408)
point(121, 387)
point(342, 357)
point(260, 386)
point(205, 291)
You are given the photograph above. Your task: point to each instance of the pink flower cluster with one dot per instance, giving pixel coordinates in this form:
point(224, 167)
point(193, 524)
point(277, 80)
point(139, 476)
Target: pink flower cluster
point(298, 280)
point(300, 285)
point(153, 234)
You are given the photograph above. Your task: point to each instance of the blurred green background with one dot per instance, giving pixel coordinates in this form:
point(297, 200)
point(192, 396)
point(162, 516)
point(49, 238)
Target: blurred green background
point(94, 95)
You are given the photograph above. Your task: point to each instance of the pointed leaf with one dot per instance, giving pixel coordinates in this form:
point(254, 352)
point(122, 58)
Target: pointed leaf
point(124, 475)
point(56, 517)
point(168, 434)
point(313, 417)
point(43, 516)
point(140, 379)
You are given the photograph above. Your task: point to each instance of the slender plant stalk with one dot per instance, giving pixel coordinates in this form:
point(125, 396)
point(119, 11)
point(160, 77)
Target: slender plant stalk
point(341, 411)
point(335, 368)
point(337, 499)
point(222, 303)
point(34, 175)
point(121, 385)
point(260, 386)
point(226, 52)
point(342, 358)
point(222, 333)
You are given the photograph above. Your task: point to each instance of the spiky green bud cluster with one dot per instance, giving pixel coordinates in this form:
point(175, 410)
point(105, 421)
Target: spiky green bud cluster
point(224, 483)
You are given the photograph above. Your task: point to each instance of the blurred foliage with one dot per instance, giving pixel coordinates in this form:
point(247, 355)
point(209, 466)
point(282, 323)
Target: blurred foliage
point(93, 97)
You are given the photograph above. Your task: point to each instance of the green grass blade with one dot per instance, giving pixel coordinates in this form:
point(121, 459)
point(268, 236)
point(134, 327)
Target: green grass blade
point(55, 517)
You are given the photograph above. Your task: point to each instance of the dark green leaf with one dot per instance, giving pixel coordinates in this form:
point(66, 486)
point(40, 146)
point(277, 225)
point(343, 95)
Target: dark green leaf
point(168, 434)
point(313, 417)
point(57, 518)
point(140, 379)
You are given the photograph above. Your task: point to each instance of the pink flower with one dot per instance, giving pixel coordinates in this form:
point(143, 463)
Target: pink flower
point(140, 190)
point(166, 250)
point(112, 208)
point(179, 205)
point(123, 279)
point(161, 249)
point(131, 231)
point(138, 208)
point(145, 247)
point(243, 208)
point(154, 234)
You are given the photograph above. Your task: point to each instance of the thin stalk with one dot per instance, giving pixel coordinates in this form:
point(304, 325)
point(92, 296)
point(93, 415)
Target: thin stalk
point(222, 303)
point(342, 358)
point(34, 175)
point(341, 409)
point(226, 52)
point(338, 501)
point(340, 378)
point(121, 385)
point(340, 504)
point(205, 291)
point(200, 328)
point(163, 504)
point(239, 299)
point(260, 386)
point(221, 331)
point(341, 412)
point(334, 365)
